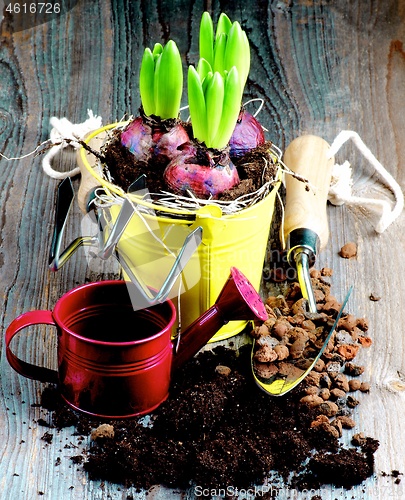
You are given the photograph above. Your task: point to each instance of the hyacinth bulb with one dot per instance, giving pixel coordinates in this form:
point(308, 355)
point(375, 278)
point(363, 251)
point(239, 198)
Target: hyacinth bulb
point(247, 135)
point(137, 138)
point(196, 170)
point(147, 141)
point(167, 143)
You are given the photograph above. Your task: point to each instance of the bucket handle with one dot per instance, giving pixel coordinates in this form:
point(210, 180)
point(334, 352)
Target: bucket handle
point(25, 369)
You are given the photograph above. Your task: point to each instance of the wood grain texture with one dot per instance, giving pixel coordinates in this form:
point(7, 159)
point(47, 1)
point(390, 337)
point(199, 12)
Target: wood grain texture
point(321, 66)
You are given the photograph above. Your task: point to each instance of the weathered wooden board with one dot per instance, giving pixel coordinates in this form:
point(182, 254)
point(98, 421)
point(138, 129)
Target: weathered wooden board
point(321, 66)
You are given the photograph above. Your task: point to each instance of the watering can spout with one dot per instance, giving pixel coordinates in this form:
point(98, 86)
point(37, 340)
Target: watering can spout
point(238, 300)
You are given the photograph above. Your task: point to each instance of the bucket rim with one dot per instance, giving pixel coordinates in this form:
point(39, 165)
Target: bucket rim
point(118, 191)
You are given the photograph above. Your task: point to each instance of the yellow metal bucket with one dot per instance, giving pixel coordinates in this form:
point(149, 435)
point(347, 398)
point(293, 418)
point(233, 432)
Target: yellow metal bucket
point(155, 235)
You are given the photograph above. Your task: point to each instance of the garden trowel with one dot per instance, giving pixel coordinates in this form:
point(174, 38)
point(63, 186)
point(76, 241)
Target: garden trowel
point(306, 229)
point(306, 232)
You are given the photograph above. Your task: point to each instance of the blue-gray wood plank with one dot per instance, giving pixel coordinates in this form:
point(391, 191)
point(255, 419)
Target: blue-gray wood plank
point(321, 66)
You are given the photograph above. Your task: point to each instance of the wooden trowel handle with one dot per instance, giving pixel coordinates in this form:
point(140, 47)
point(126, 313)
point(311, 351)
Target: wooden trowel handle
point(306, 203)
point(88, 182)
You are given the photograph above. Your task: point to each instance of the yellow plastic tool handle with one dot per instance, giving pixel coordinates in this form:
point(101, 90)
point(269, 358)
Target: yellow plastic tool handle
point(305, 207)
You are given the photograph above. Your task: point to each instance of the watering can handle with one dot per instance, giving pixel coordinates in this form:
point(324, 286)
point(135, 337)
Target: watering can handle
point(308, 156)
point(29, 370)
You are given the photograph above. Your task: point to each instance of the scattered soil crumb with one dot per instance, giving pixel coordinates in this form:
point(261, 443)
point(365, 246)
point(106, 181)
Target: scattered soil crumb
point(395, 474)
point(47, 437)
point(223, 370)
point(102, 431)
point(348, 251)
point(326, 271)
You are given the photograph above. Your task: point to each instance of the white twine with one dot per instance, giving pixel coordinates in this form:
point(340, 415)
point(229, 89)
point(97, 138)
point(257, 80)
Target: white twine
point(340, 190)
point(36, 150)
point(63, 134)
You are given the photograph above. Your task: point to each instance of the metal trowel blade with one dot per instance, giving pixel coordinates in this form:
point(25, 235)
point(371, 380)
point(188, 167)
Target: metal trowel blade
point(290, 375)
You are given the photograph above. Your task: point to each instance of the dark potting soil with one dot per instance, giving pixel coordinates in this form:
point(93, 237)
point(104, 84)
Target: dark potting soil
point(217, 429)
point(255, 169)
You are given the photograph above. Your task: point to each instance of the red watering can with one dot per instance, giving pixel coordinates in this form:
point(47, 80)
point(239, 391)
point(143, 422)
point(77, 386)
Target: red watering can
point(116, 360)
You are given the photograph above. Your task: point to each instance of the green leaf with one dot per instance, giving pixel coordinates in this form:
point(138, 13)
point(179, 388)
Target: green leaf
point(197, 108)
point(157, 50)
point(205, 82)
point(238, 53)
point(219, 53)
point(246, 58)
point(203, 68)
point(156, 85)
point(206, 39)
point(168, 82)
point(146, 82)
point(223, 25)
point(214, 99)
point(230, 111)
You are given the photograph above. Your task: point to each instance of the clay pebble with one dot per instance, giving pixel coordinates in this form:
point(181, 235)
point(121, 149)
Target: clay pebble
point(348, 250)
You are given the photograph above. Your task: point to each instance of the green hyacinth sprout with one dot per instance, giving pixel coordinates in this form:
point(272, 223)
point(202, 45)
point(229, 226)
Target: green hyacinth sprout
point(216, 87)
point(161, 81)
